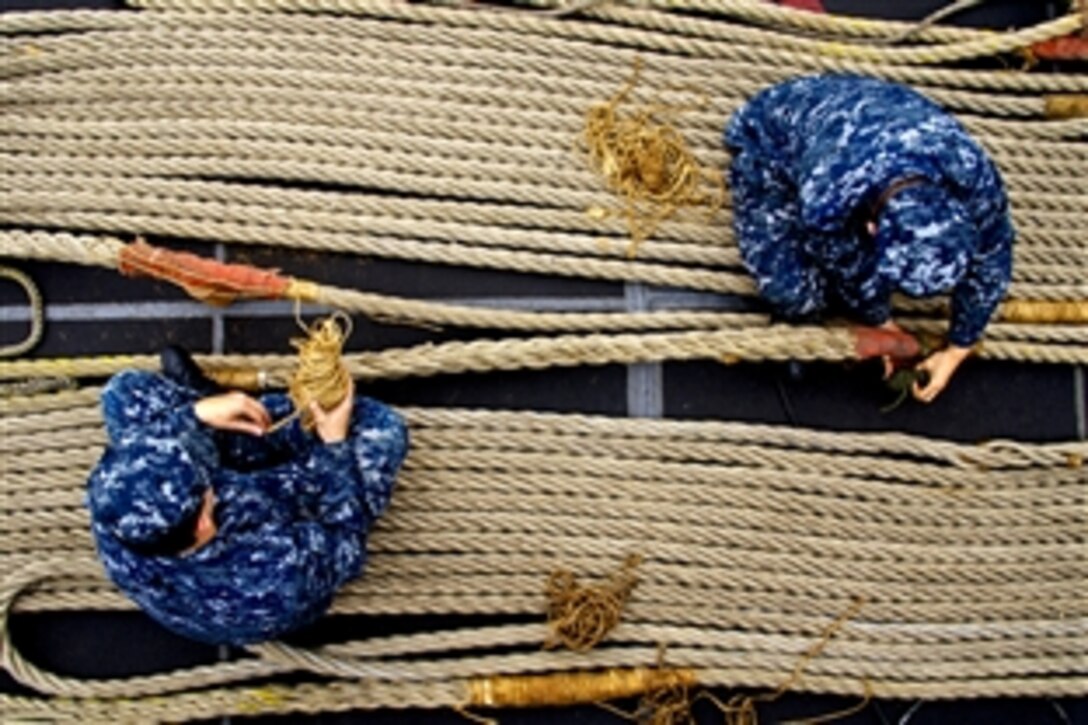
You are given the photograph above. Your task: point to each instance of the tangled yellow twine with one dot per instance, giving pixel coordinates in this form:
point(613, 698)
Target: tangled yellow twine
point(580, 616)
point(321, 375)
point(669, 704)
point(669, 701)
point(648, 163)
point(741, 709)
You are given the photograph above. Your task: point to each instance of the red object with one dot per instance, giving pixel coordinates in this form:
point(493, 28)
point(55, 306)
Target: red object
point(1070, 47)
point(813, 6)
point(207, 280)
point(875, 342)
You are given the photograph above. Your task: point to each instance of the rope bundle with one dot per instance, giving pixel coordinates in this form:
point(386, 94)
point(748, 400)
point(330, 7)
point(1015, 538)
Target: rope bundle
point(969, 559)
point(446, 149)
point(215, 99)
point(321, 376)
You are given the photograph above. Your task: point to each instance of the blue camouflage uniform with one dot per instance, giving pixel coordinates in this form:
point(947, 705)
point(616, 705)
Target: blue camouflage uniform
point(292, 512)
point(810, 156)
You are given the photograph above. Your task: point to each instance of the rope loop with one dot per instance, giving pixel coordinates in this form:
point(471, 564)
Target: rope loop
point(37, 313)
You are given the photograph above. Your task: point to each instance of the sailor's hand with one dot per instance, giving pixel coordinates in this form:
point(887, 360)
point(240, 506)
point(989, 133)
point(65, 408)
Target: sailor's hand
point(941, 365)
point(234, 411)
point(889, 362)
point(332, 425)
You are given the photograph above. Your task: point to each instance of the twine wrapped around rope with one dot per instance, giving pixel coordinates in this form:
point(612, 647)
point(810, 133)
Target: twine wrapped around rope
point(1067, 106)
point(580, 616)
point(207, 280)
point(569, 688)
point(1040, 311)
point(667, 701)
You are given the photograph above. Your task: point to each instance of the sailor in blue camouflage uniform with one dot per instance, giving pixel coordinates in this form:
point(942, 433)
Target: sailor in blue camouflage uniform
point(226, 532)
point(846, 189)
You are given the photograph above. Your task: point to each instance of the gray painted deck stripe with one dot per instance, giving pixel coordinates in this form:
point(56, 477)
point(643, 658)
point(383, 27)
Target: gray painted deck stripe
point(648, 299)
point(671, 299)
point(645, 395)
point(102, 311)
point(108, 311)
point(219, 339)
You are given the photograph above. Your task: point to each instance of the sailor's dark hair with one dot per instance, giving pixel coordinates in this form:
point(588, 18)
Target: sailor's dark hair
point(869, 210)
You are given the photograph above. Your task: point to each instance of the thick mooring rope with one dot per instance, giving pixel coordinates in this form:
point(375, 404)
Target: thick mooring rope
point(686, 29)
point(722, 336)
point(103, 251)
point(480, 149)
point(1066, 345)
point(753, 538)
point(534, 118)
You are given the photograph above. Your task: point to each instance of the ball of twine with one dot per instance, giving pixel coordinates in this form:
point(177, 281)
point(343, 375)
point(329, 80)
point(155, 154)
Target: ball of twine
point(580, 616)
point(647, 162)
point(321, 375)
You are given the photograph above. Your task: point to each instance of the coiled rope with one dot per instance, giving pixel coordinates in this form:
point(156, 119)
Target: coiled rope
point(95, 146)
point(37, 313)
point(969, 558)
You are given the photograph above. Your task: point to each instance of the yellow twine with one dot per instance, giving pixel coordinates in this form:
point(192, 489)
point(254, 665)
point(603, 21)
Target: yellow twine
point(648, 163)
point(668, 702)
point(249, 379)
point(556, 689)
point(1071, 312)
point(464, 712)
point(581, 616)
point(301, 290)
point(1066, 106)
point(866, 698)
point(321, 375)
point(741, 709)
